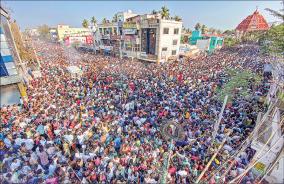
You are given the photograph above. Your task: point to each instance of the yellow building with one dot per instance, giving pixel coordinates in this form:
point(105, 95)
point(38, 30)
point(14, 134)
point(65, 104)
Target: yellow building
point(65, 30)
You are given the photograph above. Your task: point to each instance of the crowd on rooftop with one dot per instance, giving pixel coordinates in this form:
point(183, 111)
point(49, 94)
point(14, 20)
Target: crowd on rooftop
point(105, 126)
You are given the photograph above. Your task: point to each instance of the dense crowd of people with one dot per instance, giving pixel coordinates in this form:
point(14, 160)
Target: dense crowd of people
point(105, 125)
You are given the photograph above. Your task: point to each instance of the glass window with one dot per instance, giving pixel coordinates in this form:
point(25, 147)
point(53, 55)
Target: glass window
point(166, 30)
point(176, 30)
point(175, 42)
point(174, 52)
point(164, 49)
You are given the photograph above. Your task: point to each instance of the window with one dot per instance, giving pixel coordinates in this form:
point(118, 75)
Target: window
point(166, 30)
point(164, 49)
point(176, 30)
point(175, 42)
point(174, 52)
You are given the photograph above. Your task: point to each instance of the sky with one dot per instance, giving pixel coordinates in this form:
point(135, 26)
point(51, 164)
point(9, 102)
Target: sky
point(218, 14)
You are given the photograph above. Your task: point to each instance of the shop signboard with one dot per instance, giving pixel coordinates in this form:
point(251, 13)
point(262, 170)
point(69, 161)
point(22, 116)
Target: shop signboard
point(89, 39)
point(115, 37)
point(106, 37)
point(129, 31)
point(143, 55)
point(105, 47)
point(129, 25)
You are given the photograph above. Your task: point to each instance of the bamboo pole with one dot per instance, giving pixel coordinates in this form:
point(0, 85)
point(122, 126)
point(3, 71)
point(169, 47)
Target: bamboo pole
point(212, 158)
point(217, 124)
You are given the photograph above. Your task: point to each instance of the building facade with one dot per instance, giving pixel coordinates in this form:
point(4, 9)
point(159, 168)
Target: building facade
point(206, 42)
point(109, 37)
point(11, 68)
point(64, 31)
point(149, 37)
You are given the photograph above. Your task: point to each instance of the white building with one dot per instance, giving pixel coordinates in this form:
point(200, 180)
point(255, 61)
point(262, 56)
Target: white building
point(64, 31)
point(123, 16)
point(169, 39)
point(153, 39)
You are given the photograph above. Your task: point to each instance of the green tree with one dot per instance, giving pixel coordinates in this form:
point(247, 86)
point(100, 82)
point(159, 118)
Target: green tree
point(278, 14)
point(154, 12)
point(227, 32)
point(43, 31)
point(177, 18)
point(230, 41)
point(218, 31)
point(104, 21)
point(197, 26)
point(115, 18)
point(85, 23)
point(165, 12)
point(93, 20)
point(203, 29)
point(272, 41)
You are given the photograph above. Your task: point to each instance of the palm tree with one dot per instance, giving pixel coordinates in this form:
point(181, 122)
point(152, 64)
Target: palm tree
point(188, 31)
point(203, 29)
point(165, 12)
point(115, 18)
point(197, 26)
point(278, 14)
point(177, 18)
point(85, 23)
point(93, 20)
point(104, 21)
point(154, 12)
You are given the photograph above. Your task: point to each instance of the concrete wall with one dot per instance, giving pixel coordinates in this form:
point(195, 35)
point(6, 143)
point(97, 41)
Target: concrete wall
point(203, 45)
point(9, 95)
point(166, 40)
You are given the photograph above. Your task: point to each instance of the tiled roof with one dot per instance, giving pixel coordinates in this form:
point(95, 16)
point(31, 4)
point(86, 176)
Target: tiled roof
point(254, 22)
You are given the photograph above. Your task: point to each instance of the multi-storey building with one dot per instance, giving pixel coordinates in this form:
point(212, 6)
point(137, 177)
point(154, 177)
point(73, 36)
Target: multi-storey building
point(65, 31)
point(109, 34)
point(152, 38)
point(12, 70)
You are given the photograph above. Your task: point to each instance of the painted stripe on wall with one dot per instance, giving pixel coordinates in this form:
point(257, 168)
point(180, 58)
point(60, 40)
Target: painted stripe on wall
point(7, 59)
point(10, 65)
point(12, 71)
point(5, 52)
point(3, 38)
point(4, 45)
point(3, 70)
